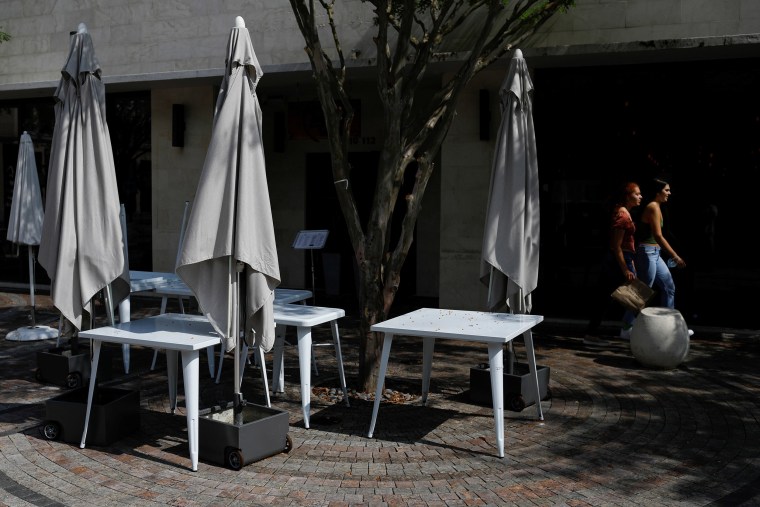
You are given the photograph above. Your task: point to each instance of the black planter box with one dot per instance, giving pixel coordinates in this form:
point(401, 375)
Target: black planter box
point(58, 365)
point(115, 413)
point(519, 388)
point(263, 433)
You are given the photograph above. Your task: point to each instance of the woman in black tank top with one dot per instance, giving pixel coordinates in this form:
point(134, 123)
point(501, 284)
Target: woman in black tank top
point(650, 266)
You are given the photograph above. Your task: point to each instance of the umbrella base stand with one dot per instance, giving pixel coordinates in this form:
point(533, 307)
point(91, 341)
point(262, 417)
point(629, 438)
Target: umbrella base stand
point(58, 365)
point(519, 390)
point(115, 413)
point(263, 433)
point(32, 333)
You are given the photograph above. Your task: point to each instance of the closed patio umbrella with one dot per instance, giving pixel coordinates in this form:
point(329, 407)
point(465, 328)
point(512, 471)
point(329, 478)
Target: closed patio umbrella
point(25, 228)
point(229, 256)
point(509, 265)
point(81, 247)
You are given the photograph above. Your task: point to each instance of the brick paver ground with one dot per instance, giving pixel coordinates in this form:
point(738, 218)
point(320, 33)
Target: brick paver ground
point(614, 433)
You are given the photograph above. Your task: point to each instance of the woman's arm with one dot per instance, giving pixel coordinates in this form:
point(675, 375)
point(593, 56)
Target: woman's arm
point(616, 245)
point(655, 221)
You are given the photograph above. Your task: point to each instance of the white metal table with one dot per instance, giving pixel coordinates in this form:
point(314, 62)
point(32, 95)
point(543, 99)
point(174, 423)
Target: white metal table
point(166, 284)
point(304, 318)
point(494, 329)
point(174, 333)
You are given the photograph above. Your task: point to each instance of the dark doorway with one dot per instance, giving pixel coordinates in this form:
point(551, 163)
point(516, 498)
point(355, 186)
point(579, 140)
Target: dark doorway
point(323, 212)
point(697, 124)
point(128, 117)
point(129, 123)
point(36, 117)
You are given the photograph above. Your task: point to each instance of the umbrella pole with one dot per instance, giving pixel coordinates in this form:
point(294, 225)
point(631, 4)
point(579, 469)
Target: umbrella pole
point(313, 286)
point(31, 283)
point(234, 328)
point(109, 307)
point(490, 287)
point(510, 355)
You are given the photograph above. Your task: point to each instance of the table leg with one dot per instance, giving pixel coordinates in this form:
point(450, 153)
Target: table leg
point(125, 311)
point(190, 368)
point(528, 337)
point(263, 367)
point(278, 363)
point(155, 358)
point(93, 374)
point(428, 343)
point(155, 352)
point(221, 363)
point(210, 357)
point(304, 364)
point(339, 358)
point(243, 360)
point(171, 376)
point(496, 364)
point(387, 340)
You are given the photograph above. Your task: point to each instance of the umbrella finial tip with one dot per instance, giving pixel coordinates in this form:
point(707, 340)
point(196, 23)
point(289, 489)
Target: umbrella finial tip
point(82, 28)
point(239, 22)
point(518, 54)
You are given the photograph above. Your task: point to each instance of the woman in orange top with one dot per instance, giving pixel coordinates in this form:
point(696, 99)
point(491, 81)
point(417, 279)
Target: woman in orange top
point(619, 266)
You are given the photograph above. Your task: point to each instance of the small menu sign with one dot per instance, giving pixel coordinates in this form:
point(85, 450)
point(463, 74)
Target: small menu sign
point(311, 240)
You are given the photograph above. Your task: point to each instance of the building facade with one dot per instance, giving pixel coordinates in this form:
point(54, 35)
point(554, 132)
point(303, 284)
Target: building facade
point(593, 67)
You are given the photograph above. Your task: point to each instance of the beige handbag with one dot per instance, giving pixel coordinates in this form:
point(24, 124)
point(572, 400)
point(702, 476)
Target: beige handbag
point(634, 295)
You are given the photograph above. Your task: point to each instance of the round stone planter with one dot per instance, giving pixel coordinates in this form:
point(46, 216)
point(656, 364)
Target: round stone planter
point(660, 338)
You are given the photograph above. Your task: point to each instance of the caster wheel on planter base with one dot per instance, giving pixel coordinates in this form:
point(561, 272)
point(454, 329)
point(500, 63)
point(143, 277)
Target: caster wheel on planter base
point(73, 380)
point(51, 430)
point(516, 403)
point(288, 444)
point(233, 458)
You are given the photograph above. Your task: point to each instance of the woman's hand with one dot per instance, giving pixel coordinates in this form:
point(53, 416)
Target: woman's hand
point(679, 262)
point(630, 275)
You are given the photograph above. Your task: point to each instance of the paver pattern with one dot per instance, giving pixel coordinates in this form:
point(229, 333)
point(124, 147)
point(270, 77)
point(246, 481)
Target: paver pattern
point(615, 433)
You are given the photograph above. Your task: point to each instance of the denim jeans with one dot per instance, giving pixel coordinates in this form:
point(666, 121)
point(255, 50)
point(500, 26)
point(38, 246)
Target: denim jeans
point(653, 271)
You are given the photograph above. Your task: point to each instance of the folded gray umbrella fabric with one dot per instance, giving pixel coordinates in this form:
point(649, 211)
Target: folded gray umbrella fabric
point(510, 250)
point(81, 247)
point(231, 218)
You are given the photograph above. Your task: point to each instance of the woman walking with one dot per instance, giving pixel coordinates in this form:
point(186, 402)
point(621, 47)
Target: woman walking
point(619, 266)
point(650, 265)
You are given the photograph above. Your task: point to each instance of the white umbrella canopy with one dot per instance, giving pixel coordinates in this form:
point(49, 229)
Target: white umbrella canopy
point(25, 224)
point(230, 233)
point(82, 247)
point(509, 264)
point(25, 228)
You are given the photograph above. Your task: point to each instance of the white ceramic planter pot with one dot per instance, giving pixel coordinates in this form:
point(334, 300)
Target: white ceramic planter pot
point(660, 338)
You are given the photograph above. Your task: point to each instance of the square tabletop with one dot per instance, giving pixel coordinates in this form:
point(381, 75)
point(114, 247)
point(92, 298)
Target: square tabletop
point(168, 330)
point(459, 324)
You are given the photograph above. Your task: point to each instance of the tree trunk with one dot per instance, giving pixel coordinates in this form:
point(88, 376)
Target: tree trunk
point(373, 310)
point(415, 123)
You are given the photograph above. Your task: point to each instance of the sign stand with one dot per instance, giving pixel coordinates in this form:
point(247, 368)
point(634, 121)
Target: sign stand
point(311, 240)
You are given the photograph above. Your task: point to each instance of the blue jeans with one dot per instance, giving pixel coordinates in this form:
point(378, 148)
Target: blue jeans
point(653, 271)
